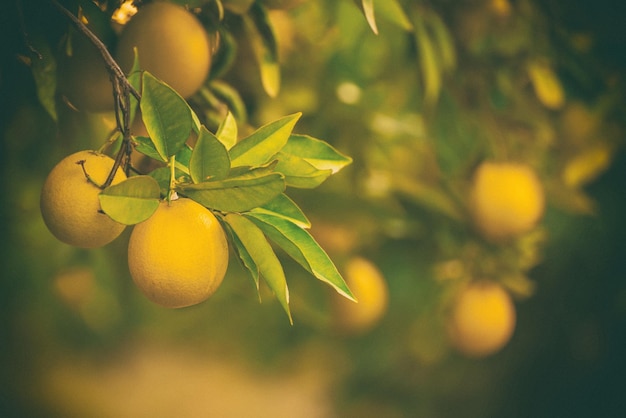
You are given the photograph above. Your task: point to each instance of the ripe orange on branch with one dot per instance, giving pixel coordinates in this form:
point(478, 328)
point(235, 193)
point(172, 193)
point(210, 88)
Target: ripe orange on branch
point(178, 257)
point(69, 200)
point(482, 319)
point(172, 44)
point(506, 199)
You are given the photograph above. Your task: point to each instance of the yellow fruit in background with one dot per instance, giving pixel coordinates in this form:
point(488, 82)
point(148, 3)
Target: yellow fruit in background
point(482, 319)
point(84, 78)
point(547, 85)
point(506, 199)
point(69, 201)
point(172, 45)
point(178, 257)
point(370, 289)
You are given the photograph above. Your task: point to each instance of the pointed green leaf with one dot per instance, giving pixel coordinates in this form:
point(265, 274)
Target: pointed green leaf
point(146, 147)
point(303, 248)
point(245, 257)
point(44, 69)
point(227, 131)
point(166, 116)
point(283, 207)
point(263, 42)
point(264, 143)
point(237, 194)
point(299, 173)
point(316, 152)
point(209, 158)
point(392, 11)
point(444, 43)
point(429, 65)
point(132, 201)
point(227, 94)
point(183, 158)
point(367, 7)
point(263, 255)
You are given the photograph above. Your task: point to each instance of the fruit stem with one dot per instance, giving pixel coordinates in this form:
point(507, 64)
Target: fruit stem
point(172, 164)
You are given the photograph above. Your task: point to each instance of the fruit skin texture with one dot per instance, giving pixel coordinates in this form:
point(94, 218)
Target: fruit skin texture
point(69, 202)
point(178, 257)
point(172, 45)
point(370, 289)
point(482, 320)
point(506, 199)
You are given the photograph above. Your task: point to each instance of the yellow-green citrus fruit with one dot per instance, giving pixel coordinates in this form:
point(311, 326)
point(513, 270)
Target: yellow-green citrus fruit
point(84, 79)
point(178, 257)
point(369, 287)
point(172, 45)
point(69, 201)
point(506, 199)
point(482, 319)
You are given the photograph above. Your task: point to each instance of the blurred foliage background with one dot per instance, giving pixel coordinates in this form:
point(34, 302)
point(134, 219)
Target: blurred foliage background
point(418, 105)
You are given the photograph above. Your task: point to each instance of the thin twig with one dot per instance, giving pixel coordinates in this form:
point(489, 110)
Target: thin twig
point(112, 66)
point(122, 89)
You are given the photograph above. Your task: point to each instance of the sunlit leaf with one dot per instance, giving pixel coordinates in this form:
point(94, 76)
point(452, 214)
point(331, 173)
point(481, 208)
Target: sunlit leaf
point(237, 194)
point(443, 41)
point(146, 147)
point(546, 83)
point(209, 159)
point(245, 258)
point(303, 248)
point(299, 173)
point(261, 252)
point(316, 152)
point(131, 201)
point(392, 11)
point(283, 207)
point(264, 143)
point(429, 66)
point(166, 116)
point(228, 95)
point(367, 7)
point(227, 132)
point(263, 42)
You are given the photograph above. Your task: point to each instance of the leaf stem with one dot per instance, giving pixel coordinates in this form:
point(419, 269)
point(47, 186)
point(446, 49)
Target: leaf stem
point(170, 191)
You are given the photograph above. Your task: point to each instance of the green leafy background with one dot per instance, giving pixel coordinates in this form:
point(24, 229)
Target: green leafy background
point(441, 86)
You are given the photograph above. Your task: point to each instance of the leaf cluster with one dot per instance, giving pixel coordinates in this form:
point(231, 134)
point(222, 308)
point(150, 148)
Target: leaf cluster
point(242, 180)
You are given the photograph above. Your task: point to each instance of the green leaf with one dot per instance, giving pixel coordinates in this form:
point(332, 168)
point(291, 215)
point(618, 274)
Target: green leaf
point(166, 116)
point(264, 143)
point(429, 65)
point(367, 7)
point(44, 69)
point(227, 132)
point(283, 207)
point(263, 256)
point(392, 11)
point(209, 158)
point(146, 147)
point(237, 194)
point(183, 158)
point(316, 152)
point(263, 42)
point(443, 41)
point(227, 94)
point(299, 173)
point(132, 201)
point(245, 257)
point(303, 248)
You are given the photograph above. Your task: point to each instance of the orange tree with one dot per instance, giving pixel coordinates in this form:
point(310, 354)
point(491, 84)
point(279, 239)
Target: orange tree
point(423, 95)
